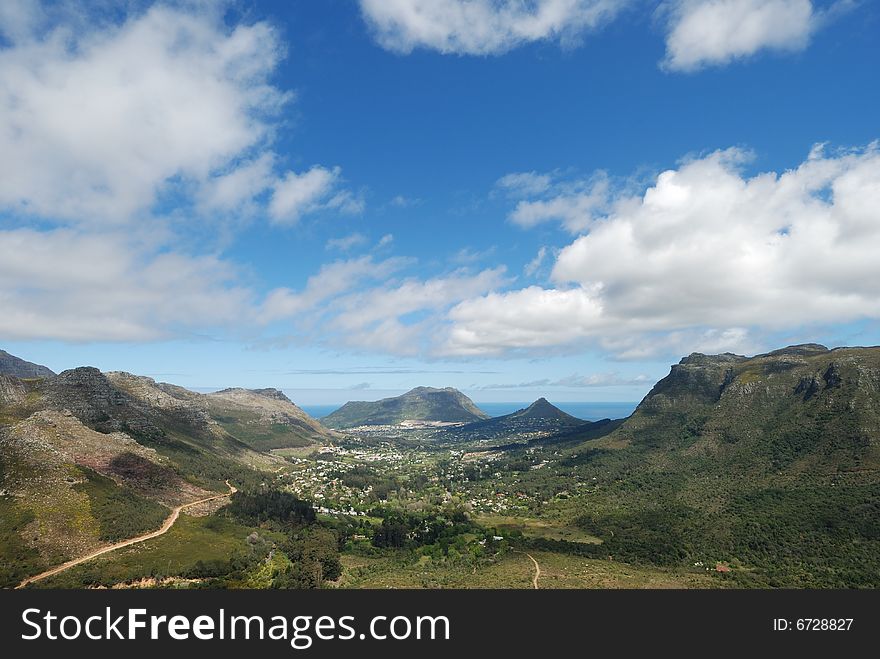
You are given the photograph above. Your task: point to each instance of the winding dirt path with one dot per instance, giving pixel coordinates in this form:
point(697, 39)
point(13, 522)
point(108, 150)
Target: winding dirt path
point(537, 570)
point(166, 526)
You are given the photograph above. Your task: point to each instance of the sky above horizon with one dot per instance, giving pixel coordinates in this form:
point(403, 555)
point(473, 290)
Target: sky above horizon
point(349, 198)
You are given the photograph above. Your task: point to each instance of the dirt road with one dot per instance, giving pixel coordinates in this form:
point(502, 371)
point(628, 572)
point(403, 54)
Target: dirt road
point(166, 526)
point(537, 571)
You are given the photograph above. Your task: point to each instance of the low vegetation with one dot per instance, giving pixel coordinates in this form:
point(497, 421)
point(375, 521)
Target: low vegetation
point(120, 512)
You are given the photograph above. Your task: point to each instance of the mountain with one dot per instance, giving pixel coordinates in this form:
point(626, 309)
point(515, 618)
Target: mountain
point(420, 404)
point(265, 419)
point(801, 409)
point(87, 457)
point(538, 419)
point(19, 368)
point(770, 464)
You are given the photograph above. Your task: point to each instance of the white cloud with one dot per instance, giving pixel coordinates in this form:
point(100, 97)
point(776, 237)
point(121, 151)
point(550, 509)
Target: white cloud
point(482, 27)
point(117, 135)
point(704, 257)
point(346, 243)
point(237, 189)
point(19, 19)
point(524, 184)
point(393, 301)
point(699, 32)
point(543, 198)
point(400, 201)
point(317, 189)
point(401, 318)
point(468, 255)
point(358, 303)
point(101, 121)
point(715, 32)
point(574, 381)
point(97, 122)
point(385, 240)
point(530, 318)
point(533, 265)
point(73, 286)
point(330, 281)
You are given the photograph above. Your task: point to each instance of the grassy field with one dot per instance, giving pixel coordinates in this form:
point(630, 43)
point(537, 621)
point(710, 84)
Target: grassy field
point(536, 528)
point(302, 452)
point(564, 571)
point(514, 570)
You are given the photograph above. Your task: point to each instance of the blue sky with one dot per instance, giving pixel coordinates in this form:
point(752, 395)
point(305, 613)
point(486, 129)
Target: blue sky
point(347, 199)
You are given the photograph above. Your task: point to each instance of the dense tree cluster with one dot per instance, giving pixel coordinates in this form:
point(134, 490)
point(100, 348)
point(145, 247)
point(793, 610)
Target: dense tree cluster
point(271, 506)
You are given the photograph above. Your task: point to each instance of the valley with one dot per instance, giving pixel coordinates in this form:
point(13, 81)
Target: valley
point(732, 472)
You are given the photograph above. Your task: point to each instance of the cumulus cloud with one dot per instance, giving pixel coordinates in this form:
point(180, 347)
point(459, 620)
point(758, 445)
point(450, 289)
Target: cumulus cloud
point(530, 318)
point(714, 32)
point(482, 27)
point(705, 256)
point(317, 189)
point(330, 281)
point(360, 303)
point(402, 317)
point(699, 32)
point(73, 286)
point(236, 190)
point(116, 133)
point(102, 121)
point(95, 123)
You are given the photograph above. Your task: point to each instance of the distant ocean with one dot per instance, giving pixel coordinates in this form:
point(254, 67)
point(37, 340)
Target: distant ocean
point(587, 411)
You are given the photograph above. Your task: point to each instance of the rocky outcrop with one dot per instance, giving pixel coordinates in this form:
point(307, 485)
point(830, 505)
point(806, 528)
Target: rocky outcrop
point(12, 390)
point(166, 400)
point(90, 396)
point(269, 392)
point(696, 378)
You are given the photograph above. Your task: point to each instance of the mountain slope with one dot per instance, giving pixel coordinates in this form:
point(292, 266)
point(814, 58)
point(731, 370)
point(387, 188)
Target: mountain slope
point(799, 409)
point(265, 419)
point(88, 458)
point(420, 404)
point(538, 419)
point(262, 419)
point(770, 464)
point(12, 365)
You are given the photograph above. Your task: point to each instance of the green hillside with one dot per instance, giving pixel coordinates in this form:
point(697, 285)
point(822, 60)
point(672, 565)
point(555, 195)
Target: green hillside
point(88, 458)
point(767, 464)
